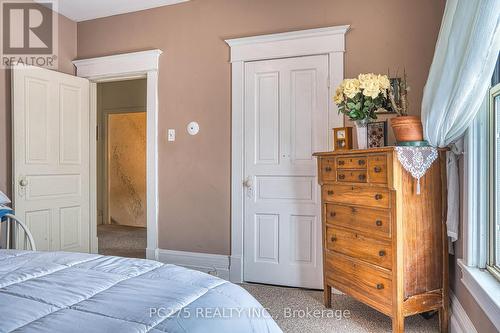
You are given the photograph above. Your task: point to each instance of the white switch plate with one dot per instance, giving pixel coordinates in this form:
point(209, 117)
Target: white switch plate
point(171, 134)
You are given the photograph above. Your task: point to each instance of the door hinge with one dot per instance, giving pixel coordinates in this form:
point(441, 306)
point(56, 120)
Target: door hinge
point(328, 81)
point(97, 133)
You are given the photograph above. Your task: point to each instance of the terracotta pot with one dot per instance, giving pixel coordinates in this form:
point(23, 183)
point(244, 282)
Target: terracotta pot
point(407, 128)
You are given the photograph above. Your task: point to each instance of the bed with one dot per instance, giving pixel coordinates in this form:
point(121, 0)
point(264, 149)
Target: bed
point(76, 292)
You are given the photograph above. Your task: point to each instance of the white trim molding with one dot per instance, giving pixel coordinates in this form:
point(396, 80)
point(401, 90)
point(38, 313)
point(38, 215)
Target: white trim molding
point(329, 41)
point(213, 264)
point(120, 67)
point(289, 44)
point(484, 288)
point(459, 321)
point(118, 64)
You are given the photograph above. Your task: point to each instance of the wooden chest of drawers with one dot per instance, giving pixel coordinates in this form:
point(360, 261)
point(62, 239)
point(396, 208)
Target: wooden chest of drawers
point(383, 243)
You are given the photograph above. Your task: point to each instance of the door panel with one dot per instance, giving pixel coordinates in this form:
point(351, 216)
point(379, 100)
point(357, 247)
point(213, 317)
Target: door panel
point(51, 157)
point(286, 120)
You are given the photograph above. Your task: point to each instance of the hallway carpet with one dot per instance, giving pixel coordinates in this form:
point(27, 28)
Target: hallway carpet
point(300, 311)
point(123, 241)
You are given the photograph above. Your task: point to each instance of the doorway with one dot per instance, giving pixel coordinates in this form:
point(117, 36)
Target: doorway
point(121, 168)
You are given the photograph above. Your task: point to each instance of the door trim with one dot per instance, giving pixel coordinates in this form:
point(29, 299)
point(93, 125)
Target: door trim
point(134, 65)
point(329, 41)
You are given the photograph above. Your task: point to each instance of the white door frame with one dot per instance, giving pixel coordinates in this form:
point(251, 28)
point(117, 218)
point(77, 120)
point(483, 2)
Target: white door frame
point(330, 41)
point(142, 64)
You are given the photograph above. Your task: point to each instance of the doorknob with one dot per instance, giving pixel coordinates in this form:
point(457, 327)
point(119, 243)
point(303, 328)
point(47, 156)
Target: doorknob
point(23, 182)
point(248, 182)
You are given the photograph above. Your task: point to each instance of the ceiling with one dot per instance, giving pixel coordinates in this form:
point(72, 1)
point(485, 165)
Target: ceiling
point(82, 10)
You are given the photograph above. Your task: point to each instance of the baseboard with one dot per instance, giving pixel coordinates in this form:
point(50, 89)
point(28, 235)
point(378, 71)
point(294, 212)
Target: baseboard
point(214, 264)
point(459, 321)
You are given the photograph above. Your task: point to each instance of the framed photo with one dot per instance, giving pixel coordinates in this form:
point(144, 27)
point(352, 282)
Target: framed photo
point(377, 134)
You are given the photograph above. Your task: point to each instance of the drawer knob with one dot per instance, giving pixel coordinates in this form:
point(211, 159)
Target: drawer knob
point(378, 223)
point(328, 169)
point(341, 176)
point(353, 210)
point(378, 196)
point(361, 162)
point(361, 177)
point(380, 286)
point(332, 214)
point(341, 162)
point(381, 253)
point(377, 169)
point(329, 192)
point(333, 239)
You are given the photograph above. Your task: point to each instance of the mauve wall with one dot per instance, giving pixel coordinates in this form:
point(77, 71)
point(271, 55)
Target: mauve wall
point(67, 53)
point(195, 84)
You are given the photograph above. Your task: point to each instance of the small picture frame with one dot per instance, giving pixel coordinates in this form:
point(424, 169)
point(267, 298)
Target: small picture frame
point(377, 134)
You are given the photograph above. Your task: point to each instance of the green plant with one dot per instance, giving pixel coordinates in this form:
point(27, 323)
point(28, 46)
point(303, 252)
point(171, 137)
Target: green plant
point(359, 98)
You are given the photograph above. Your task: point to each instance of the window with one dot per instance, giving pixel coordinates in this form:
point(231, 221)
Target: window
point(493, 263)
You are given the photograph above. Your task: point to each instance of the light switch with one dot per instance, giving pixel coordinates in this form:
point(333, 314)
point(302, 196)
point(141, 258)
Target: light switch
point(171, 134)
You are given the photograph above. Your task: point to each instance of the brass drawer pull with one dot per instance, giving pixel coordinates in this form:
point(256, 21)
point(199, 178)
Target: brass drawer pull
point(341, 176)
point(380, 286)
point(378, 196)
point(361, 177)
point(334, 239)
point(377, 169)
point(378, 223)
point(329, 192)
point(381, 253)
point(361, 162)
point(332, 214)
point(328, 169)
point(341, 162)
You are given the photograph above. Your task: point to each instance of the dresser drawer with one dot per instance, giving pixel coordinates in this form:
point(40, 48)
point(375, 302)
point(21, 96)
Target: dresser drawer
point(376, 221)
point(356, 195)
point(355, 162)
point(377, 169)
point(359, 279)
point(327, 166)
point(351, 176)
point(353, 244)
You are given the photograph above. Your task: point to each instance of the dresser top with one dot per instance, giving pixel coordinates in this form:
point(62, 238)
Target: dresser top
point(355, 151)
point(362, 151)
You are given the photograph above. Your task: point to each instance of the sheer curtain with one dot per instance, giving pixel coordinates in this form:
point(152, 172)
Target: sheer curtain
point(466, 52)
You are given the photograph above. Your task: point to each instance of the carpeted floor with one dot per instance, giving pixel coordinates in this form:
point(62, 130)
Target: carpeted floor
point(123, 241)
point(289, 307)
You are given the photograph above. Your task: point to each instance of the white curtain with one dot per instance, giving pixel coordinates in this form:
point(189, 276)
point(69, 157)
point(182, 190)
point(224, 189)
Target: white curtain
point(466, 52)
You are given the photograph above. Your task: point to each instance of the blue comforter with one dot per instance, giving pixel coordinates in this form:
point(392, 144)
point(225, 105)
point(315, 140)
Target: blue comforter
point(74, 292)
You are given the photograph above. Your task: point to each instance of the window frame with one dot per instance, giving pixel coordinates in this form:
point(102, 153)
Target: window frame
point(493, 93)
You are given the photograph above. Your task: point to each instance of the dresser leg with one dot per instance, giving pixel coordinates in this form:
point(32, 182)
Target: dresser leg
point(398, 324)
point(444, 319)
point(327, 296)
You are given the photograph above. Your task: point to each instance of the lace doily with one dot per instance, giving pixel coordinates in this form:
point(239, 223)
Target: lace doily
point(416, 160)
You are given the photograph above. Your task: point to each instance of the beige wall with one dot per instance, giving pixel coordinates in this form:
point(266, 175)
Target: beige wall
point(194, 172)
point(67, 53)
point(126, 134)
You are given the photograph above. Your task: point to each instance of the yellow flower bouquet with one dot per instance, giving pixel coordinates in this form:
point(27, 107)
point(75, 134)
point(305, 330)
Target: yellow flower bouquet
point(359, 98)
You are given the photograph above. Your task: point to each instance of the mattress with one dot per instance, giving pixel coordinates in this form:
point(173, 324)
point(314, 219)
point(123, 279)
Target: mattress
point(76, 292)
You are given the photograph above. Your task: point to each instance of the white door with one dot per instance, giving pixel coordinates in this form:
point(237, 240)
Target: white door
point(286, 121)
point(51, 157)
